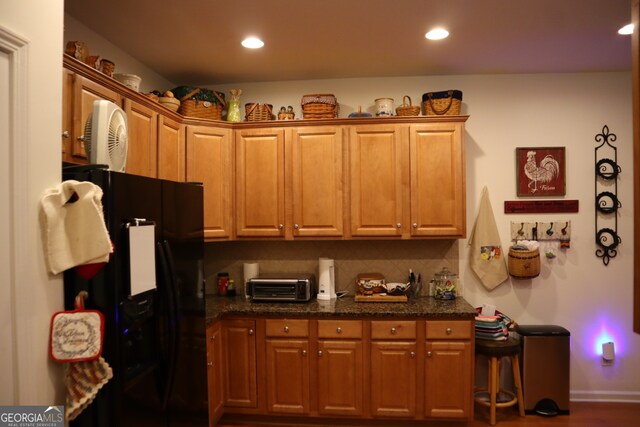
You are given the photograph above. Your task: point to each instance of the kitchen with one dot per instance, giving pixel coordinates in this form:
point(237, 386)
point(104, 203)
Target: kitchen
point(571, 290)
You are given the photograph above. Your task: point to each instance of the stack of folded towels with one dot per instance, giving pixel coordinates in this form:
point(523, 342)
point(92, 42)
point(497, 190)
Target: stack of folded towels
point(494, 327)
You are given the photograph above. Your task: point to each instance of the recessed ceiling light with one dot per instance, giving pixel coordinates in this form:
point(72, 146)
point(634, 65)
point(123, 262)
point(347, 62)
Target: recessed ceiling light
point(437, 34)
point(252, 43)
point(626, 30)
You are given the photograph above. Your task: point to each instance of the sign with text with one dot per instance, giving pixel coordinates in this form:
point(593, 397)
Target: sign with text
point(31, 416)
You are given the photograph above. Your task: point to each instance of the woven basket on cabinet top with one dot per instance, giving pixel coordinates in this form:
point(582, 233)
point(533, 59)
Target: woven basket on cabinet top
point(201, 109)
point(444, 103)
point(406, 109)
point(319, 106)
point(257, 112)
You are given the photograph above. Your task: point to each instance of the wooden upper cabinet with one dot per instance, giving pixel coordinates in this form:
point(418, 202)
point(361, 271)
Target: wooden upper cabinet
point(377, 161)
point(260, 183)
point(209, 160)
point(85, 92)
point(317, 181)
point(171, 149)
point(437, 180)
point(142, 123)
point(67, 114)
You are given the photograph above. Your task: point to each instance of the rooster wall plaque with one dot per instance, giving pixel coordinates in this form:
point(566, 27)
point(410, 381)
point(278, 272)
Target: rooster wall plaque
point(540, 171)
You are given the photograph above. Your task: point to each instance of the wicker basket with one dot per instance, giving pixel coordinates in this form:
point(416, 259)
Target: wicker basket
point(445, 103)
point(201, 109)
point(319, 106)
point(406, 109)
point(258, 112)
point(524, 264)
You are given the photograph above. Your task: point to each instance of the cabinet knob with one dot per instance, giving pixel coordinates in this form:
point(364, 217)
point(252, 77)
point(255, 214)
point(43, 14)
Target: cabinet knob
point(65, 134)
point(414, 225)
point(319, 353)
point(339, 330)
point(213, 337)
point(210, 364)
point(250, 331)
point(448, 331)
point(280, 226)
point(286, 329)
point(80, 138)
point(398, 225)
point(296, 226)
point(412, 354)
point(393, 331)
point(428, 354)
point(304, 352)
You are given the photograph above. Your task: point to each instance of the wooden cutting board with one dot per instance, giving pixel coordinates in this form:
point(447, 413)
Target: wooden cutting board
point(381, 298)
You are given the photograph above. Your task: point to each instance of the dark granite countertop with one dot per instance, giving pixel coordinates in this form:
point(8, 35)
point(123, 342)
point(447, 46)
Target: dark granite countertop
point(423, 307)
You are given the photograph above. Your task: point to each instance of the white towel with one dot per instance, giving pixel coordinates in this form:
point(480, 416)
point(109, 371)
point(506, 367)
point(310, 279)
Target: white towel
point(74, 232)
point(487, 259)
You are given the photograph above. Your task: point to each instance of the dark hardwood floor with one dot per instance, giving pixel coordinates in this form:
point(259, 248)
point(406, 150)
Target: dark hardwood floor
point(583, 414)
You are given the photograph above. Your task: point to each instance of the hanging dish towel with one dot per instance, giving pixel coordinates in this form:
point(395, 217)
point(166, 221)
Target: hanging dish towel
point(74, 231)
point(486, 257)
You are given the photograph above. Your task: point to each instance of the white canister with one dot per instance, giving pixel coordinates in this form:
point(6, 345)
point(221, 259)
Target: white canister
point(384, 107)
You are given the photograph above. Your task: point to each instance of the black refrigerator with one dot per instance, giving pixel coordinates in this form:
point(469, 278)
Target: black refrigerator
point(154, 339)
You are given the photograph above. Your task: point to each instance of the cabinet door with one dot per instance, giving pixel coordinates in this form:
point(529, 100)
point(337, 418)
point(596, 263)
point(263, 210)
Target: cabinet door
point(171, 149)
point(448, 379)
point(377, 159)
point(340, 377)
point(67, 116)
point(437, 180)
point(317, 182)
point(240, 362)
point(393, 378)
point(209, 160)
point(260, 183)
point(214, 373)
point(142, 123)
point(85, 93)
point(287, 375)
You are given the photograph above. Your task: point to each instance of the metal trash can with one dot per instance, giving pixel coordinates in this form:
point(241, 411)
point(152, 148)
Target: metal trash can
point(545, 369)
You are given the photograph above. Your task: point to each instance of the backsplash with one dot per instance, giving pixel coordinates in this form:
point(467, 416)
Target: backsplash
point(393, 259)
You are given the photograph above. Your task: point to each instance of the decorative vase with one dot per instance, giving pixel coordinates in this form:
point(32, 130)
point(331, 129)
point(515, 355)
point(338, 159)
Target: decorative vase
point(233, 111)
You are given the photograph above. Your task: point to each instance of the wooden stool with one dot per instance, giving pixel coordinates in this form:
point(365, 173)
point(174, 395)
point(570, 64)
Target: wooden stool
point(495, 351)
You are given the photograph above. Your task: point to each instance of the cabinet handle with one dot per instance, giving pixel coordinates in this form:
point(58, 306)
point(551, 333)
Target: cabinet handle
point(319, 353)
point(398, 225)
point(339, 330)
point(428, 354)
point(65, 134)
point(304, 352)
point(210, 364)
point(393, 331)
point(250, 331)
point(280, 226)
point(448, 331)
point(286, 329)
point(296, 226)
point(412, 354)
point(414, 225)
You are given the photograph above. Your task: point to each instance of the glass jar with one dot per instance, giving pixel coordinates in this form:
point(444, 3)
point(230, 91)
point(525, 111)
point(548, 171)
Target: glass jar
point(445, 284)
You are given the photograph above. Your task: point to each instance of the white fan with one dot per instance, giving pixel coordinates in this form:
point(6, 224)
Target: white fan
point(105, 134)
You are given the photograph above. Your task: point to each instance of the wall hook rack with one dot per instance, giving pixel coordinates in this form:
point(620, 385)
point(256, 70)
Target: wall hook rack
point(606, 198)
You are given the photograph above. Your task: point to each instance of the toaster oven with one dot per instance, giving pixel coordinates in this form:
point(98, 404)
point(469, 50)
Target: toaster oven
point(280, 287)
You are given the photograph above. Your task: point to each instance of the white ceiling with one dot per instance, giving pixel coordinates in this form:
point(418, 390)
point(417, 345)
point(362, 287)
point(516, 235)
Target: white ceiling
point(197, 42)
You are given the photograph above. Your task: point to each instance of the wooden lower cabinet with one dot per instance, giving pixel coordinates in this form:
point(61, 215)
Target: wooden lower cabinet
point(215, 373)
point(287, 376)
point(241, 387)
point(364, 369)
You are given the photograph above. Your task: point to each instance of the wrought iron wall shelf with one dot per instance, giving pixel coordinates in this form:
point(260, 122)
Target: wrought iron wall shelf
point(606, 196)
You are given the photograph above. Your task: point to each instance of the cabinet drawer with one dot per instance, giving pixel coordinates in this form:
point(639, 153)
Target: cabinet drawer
point(447, 329)
point(287, 328)
point(393, 329)
point(339, 329)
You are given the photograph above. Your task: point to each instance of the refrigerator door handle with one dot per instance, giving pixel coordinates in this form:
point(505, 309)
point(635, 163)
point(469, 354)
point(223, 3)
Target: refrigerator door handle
point(172, 321)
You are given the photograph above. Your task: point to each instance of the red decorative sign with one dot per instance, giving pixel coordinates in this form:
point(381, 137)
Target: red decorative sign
point(541, 206)
point(540, 171)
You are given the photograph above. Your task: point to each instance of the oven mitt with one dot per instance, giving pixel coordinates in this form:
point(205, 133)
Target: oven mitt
point(83, 381)
point(77, 335)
